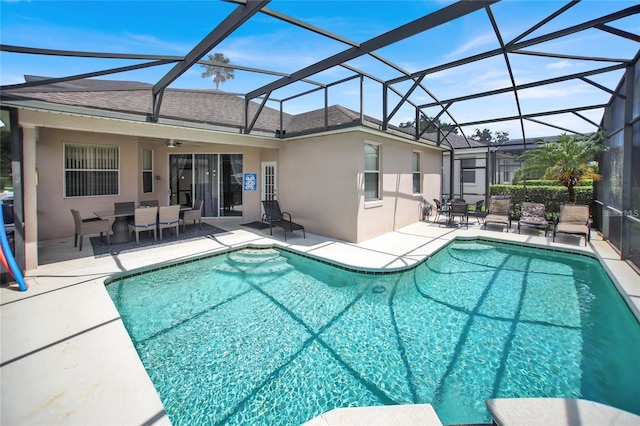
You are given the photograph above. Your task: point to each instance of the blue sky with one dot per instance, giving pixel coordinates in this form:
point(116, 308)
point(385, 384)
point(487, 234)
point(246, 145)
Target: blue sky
point(174, 27)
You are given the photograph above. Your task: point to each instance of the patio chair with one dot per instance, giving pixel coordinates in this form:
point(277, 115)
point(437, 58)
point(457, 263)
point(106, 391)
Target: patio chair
point(144, 219)
point(89, 226)
point(533, 215)
point(573, 219)
point(194, 214)
point(458, 209)
point(126, 207)
point(149, 203)
point(275, 217)
point(478, 213)
point(438, 209)
point(169, 217)
point(499, 212)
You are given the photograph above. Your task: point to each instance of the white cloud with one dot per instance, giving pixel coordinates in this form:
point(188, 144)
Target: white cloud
point(559, 65)
point(475, 43)
point(551, 92)
point(149, 42)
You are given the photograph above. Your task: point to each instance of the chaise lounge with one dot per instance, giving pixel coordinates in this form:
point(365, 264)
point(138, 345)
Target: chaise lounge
point(275, 217)
point(573, 219)
point(533, 215)
point(499, 212)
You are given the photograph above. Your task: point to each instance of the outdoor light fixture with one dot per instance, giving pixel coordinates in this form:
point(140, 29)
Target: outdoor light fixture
point(171, 143)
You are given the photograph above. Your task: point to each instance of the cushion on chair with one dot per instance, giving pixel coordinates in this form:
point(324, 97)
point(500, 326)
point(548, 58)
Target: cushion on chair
point(574, 214)
point(500, 207)
point(533, 213)
point(572, 228)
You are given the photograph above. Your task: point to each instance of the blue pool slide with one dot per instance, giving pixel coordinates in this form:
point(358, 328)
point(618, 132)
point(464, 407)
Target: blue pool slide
point(7, 255)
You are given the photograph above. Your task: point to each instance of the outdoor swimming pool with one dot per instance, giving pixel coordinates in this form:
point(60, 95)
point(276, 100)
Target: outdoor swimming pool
point(270, 337)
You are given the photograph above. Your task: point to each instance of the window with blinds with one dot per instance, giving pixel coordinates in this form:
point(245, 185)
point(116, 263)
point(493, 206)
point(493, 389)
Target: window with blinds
point(91, 170)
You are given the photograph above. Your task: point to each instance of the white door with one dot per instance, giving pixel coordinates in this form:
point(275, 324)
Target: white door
point(269, 181)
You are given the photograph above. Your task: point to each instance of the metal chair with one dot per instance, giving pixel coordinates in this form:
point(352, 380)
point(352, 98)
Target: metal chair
point(478, 213)
point(459, 210)
point(438, 209)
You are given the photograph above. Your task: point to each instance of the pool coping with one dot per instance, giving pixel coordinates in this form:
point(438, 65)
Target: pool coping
point(66, 357)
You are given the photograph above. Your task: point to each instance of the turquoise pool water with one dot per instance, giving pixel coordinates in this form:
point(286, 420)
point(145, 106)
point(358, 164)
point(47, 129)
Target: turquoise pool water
point(269, 337)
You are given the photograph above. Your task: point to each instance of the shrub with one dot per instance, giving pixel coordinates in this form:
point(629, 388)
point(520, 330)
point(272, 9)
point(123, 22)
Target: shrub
point(546, 182)
point(551, 196)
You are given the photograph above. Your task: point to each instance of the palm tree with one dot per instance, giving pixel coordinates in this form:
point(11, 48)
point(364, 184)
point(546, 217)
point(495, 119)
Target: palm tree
point(567, 161)
point(220, 73)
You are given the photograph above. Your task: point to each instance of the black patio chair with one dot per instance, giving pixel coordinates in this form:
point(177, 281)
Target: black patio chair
point(459, 210)
point(275, 217)
point(478, 213)
point(439, 211)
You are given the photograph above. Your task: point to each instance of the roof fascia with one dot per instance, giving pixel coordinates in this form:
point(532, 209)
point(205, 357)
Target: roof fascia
point(372, 131)
point(48, 81)
point(77, 121)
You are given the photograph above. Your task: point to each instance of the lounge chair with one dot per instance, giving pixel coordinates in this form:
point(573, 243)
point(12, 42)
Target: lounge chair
point(89, 226)
point(533, 215)
point(274, 217)
point(499, 212)
point(573, 219)
point(144, 219)
point(194, 214)
point(169, 217)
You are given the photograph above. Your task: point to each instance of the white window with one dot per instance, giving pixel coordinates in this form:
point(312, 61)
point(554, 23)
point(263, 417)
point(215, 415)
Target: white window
point(468, 170)
point(147, 170)
point(91, 170)
point(417, 176)
point(371, 172)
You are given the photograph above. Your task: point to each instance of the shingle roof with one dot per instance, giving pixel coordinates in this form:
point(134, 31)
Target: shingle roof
point(196, 106)
point(201, 106)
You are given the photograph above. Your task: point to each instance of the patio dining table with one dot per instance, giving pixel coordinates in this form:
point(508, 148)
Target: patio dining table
point(120, 225)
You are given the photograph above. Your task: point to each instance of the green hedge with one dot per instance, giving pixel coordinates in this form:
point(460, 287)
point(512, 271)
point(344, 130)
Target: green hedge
point(551, 196)
point(5, 182)
point(544, 182)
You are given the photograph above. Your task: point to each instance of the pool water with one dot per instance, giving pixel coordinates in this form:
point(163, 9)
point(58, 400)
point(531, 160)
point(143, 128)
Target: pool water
point(269, 337)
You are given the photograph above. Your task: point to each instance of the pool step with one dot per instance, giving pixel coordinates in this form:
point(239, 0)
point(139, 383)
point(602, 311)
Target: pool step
point(254, 255)
point(255, 262)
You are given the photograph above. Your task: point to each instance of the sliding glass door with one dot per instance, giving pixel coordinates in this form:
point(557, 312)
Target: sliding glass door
point(214, 178)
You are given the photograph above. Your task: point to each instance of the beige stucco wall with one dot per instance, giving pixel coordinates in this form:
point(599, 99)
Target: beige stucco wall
point(317, 183)
point(54, 217)
point(320, 182)
point(320, 177)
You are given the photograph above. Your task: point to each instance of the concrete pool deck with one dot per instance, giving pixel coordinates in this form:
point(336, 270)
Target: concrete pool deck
point(67, 359)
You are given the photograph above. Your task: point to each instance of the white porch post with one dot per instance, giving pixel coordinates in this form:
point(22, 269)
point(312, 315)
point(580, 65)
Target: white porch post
point(29, 140)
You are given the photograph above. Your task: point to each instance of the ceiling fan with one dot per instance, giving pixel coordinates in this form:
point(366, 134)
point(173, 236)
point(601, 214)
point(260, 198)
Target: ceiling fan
point(172, 143)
